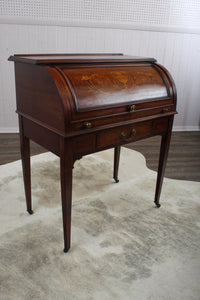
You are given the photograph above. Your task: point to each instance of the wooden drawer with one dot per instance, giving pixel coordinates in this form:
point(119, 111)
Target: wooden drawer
point(160, 125)
point(127, 134)
point(84, 144)
point(123, 134)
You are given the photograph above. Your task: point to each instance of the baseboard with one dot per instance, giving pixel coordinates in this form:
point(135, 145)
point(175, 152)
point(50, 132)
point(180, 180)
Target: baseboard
point(186, 128)
point(9, 130)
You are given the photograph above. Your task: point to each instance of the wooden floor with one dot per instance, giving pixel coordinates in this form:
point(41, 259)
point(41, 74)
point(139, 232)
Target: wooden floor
point(183, 160)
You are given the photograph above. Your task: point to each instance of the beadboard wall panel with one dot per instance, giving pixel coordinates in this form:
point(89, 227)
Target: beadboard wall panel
point(178, 52)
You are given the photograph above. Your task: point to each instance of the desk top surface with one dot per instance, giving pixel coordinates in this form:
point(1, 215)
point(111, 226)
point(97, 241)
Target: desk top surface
point(77, 58)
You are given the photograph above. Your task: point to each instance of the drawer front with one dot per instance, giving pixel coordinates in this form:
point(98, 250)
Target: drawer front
point(118, 116)
point(160, 125)
point(84, 144)
point(123, 134)
point(127, 134)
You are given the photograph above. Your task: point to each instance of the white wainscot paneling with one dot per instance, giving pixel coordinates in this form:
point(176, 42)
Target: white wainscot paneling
point(178, 52)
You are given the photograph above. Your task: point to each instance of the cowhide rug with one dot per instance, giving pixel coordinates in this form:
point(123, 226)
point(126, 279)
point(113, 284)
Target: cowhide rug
point(122, 246)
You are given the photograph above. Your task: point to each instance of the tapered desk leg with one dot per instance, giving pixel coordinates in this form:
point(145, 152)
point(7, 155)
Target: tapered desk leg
point(116, 163)
point(164, 149)
point(66, 166)
point(26, 166)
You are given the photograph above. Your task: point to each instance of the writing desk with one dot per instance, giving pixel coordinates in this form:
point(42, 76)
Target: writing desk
point(76, 104)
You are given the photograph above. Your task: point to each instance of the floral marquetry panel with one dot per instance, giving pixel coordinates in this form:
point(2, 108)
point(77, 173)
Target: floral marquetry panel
point(96, 87)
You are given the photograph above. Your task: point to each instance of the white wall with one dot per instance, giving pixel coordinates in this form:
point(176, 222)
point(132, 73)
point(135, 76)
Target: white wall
point(175, 47)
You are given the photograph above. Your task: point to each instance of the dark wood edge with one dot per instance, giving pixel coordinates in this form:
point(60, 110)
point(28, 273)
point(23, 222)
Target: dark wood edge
point(62, 91)
point(122, 104)
point(70, 86)
point(165, 79)
point(66, 54)
point(95, 129)
point(119, 124)
point(27, 59)
point(43, 124)
point(119, 114)
point(104, 65)
point(171, 80)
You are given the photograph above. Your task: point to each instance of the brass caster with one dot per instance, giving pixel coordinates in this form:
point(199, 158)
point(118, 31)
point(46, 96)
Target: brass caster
point(65, 250)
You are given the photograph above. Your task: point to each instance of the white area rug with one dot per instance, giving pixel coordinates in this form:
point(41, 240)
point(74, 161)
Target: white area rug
point(122, 246)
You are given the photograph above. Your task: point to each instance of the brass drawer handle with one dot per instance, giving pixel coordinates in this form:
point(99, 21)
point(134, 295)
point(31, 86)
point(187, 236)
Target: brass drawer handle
point(87, 125)
point(127, 139)
point(165, 110)
point(131, 108)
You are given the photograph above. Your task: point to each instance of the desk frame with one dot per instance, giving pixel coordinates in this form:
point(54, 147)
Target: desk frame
point(63, 147)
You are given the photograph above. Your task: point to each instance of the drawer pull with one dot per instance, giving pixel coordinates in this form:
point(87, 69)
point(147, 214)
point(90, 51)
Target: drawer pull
point(87, 125)
point(131, 108)
point(125, 138)
point(165, 110)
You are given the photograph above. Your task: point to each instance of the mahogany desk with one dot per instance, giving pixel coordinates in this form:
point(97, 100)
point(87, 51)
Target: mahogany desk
point(76, 104)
